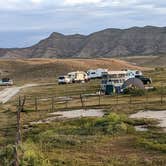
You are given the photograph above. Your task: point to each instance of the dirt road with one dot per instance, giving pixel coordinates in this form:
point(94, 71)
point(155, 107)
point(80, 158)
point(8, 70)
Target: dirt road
point(8, 93)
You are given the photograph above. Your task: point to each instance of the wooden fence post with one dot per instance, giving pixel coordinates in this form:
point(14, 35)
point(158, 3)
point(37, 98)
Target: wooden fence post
point(161, 101)
point(161, 98)
point(99, 98)
point(52, 104)
point(147, 98)
point(18, 133)
point(66, 102)
point(82, 103)
point(130, 99)
point(117, 99)
point(36, 104)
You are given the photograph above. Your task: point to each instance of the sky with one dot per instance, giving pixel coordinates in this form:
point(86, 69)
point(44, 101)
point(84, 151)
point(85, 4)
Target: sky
point(25, 22)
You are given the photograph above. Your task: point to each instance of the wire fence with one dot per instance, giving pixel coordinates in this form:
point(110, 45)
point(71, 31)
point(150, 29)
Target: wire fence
point(54, 103)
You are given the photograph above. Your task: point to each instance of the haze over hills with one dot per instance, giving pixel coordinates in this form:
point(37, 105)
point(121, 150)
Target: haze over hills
point(111, 42)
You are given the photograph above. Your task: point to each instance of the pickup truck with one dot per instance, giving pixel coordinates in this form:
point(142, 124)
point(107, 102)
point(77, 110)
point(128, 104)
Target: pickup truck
point(144, 79)
point(6, 81)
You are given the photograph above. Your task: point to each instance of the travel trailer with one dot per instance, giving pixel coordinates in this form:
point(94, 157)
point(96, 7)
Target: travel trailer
point(78, 76)
point(92, 74)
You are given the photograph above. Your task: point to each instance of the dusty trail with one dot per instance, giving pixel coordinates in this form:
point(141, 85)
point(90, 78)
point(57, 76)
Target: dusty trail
point(8, 93)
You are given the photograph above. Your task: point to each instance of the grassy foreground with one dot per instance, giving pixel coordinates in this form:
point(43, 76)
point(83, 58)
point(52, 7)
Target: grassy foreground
point(110, 140)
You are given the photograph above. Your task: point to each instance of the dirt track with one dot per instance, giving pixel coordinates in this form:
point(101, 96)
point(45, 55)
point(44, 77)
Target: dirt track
point(8, 93)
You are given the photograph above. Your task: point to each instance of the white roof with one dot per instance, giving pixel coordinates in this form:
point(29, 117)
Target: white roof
point(74, 72)
point(117, 72)
point(99, 69)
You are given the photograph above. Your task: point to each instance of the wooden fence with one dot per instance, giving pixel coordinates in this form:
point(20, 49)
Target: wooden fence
point(54, 103)
point(84, 101)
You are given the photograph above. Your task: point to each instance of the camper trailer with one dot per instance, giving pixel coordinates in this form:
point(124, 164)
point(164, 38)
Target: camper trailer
point(78, 76)
point(93, 74)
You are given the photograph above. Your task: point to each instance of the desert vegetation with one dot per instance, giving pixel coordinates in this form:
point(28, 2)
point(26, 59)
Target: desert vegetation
point(108, 140)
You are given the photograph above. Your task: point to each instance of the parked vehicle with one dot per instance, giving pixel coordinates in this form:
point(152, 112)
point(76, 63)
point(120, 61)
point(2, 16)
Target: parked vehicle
point(6, 82)
point(92, 74)
point(64, 80)
point(115, 78)
point(144, 79)
point(78, 76)
point(132, 73)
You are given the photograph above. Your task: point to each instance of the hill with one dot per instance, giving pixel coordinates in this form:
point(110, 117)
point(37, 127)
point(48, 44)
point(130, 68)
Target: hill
point(148, 61)
point(111, 42)
point(44, 69)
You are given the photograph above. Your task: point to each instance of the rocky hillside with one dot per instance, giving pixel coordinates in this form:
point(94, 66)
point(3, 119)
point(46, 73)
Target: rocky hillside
point(107, 43)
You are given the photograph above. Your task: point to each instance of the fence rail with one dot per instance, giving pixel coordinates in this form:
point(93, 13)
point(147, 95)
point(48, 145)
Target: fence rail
point(53, 103)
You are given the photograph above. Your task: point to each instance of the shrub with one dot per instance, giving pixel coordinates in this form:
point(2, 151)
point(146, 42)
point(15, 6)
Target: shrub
point(134, 92)
point(159, 69)
point(33, 156)
point(112, 124)
point(6, 155)
point(154, 141)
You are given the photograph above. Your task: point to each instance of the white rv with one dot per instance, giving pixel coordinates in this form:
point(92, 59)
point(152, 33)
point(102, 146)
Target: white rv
point(92, 74)
point(78, 76)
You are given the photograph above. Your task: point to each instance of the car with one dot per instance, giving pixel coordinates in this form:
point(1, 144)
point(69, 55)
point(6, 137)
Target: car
point(64, 80)
point(145, 80)
point(6, 82)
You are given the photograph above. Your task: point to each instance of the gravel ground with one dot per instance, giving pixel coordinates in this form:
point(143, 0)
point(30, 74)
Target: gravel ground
point(158, 115)
point(71, 114)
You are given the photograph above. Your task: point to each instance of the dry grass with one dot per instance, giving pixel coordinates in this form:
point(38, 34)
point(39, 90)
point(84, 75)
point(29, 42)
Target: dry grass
point(45, 70)
point(100, 150)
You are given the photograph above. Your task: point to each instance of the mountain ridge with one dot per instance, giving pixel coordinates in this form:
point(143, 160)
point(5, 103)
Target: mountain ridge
point(111, 42)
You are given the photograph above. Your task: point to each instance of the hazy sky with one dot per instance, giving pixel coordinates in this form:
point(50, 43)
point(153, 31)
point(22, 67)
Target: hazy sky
point(25, 22)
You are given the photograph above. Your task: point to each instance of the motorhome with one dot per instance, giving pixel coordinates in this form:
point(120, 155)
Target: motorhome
point(78, 76)
point(92, 74)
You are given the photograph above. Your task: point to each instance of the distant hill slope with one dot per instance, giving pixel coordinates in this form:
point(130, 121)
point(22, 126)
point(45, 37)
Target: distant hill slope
point(148, 61)
point(148, 40)
point(45, 69)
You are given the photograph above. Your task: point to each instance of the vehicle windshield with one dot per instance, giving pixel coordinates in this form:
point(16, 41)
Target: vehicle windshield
point(62, 77)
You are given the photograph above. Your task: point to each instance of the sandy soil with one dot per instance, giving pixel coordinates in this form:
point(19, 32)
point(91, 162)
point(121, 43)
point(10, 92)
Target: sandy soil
point(71, 114)
point(158, 115)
